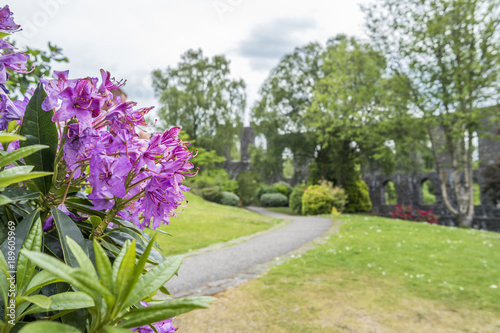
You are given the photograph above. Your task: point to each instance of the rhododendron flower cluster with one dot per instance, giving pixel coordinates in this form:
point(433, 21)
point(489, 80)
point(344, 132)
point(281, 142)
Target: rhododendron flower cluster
point(140, 180)
point(407, 213)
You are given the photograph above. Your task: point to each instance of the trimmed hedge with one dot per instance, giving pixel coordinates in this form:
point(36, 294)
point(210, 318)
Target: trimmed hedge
point(274, 200)
point(316, 200)
point(358, 197)
point(212, 194)
point(229, 199)
point(296, 198)
point(265, 189)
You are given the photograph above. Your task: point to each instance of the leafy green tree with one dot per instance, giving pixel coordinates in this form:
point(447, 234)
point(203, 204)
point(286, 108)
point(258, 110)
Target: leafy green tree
point(286, 95)
point(346, 110)
point(446, 55)
point(200, 96)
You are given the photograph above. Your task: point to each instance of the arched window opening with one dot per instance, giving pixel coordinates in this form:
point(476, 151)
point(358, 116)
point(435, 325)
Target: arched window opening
point(428, 192)
point(477, 193)
point(288, 169)
point(390, 195)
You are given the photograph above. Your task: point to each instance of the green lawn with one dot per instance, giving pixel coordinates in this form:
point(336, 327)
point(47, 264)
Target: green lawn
point(282, 210)
point(204, 223)
point(375, 274)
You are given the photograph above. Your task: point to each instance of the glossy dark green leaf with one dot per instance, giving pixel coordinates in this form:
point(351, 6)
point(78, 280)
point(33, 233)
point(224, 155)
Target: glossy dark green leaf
point(25, 268)
point(39, 129)
point(66, 227)
point(164, 310)
point(19, 153)
point(19, 194)
point(20, 233)
point(150, 282)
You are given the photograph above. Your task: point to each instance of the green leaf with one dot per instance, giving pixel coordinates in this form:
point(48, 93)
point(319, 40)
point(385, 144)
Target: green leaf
point(19, 153)
point(41, 301)
point(4, 283)
point(125, 279)
point(21, 232)
point(83, 208)
point(118, 261)
point(150, 282)
point(52, 265)
point(48, 326)
point(82, 258)
point(103, 266)
point(41, 279)
point(18, 174)
point(25, 268)
point(63, 302)
point(6, 137)
point(39, 129)
point(164, 310)
point(67, 228)
point(19, 194)
point(4, 200)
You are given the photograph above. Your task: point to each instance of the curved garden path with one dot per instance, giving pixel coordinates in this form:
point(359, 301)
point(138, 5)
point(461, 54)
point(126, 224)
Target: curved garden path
point(214, 271)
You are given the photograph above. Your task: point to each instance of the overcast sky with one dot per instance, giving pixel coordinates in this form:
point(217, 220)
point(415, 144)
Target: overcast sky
point(132, 38)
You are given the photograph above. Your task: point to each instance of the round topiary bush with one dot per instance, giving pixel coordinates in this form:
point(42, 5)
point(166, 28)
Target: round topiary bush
point(296, 198)
point(229, 199)
point(274, 200)
point(283, 188)
point(265, 189)
point(213, 193)
point(317, 200)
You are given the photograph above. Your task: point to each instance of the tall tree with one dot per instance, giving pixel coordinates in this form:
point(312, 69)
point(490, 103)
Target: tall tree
point(278, 115)
point(200, 96)
point(446, 52)
point(346, 110)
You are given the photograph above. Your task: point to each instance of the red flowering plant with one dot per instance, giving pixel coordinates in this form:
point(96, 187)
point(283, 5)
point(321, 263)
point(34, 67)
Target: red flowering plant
point(78, 186)
point(404, 212)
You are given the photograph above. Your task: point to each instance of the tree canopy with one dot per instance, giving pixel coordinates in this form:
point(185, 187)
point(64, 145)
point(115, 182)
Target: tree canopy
point(200, 96)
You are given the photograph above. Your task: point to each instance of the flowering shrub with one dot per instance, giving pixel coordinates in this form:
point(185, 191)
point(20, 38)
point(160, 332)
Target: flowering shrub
point(407, 213)
point(76, 174)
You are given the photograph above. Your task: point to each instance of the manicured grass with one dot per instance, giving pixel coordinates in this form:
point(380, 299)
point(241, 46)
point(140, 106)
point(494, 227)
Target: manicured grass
point(204, 223)
point(282, 210)
point(374, 275)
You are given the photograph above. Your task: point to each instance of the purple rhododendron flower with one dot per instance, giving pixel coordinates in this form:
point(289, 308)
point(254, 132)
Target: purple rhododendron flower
point(7, 21)
point(11, 110)
point(164, 326)
point(13, 61)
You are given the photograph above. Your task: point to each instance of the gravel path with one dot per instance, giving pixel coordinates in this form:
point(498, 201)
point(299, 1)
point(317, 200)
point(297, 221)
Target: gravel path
point(214, 271)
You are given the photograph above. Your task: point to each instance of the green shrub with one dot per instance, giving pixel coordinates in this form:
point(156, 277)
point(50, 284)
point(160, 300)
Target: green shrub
point(316, 200)
point(212, 194)
point(248, 183)
point(296, 198)
point(265, 189)
point(229, 199)
point(211, 178)
point(283, 188)
point(338, 193)
point(274, 200)
point(358, 197)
